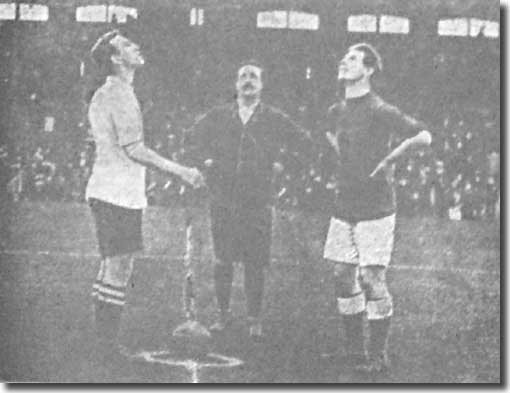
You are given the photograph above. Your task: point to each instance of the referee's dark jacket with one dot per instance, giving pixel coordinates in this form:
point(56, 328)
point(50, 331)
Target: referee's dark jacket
point(243, 154)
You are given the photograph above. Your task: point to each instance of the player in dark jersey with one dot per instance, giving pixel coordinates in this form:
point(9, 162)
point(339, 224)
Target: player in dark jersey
point(238, 147)
point(359, 131)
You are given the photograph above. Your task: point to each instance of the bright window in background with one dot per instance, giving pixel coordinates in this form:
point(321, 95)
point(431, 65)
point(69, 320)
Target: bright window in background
point(488, 28)
point(453, 27)
point(49, 124)
point(491, 29)
point(272, 20)
point(303, 21)
point(121, 13)
point(308, 73)
point(7, 11)
point(196, 17)
point(362, 23)
point(33, 12)
point(91, 13)
point(393, 24)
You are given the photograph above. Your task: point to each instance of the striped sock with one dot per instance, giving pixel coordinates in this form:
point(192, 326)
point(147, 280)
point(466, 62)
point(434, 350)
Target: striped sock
point(95, 288)
point(99, 279)
point(109, 304)
point(110, 294)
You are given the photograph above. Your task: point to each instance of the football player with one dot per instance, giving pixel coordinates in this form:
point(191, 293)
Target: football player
point(359, 130)
point(116, 188)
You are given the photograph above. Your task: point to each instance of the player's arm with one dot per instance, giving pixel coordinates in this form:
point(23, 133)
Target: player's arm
point(143, 154)
point(421, 138)
point(104, 115)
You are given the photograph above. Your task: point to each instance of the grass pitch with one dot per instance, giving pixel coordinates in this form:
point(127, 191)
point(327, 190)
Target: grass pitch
point(445, 278)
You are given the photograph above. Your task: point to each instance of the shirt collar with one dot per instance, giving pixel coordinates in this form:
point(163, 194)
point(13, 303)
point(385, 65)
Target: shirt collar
point(361, 98)
point(257, 108)
point(250, 107)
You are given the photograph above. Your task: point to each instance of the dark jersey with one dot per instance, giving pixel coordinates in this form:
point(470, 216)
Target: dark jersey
point(244, 154)
point(365, 127)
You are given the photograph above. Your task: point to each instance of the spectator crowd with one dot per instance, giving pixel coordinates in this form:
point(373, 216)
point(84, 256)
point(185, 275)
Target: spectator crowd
point(453, 81)
point(457, 178)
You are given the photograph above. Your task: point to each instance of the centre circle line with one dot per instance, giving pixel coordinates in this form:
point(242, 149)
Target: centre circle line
point(192, 365)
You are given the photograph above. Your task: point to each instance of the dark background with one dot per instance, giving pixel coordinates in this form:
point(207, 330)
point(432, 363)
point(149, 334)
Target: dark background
point(451, 83)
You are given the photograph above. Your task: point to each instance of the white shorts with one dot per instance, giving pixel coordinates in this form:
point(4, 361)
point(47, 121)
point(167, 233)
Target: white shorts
point(366, 243)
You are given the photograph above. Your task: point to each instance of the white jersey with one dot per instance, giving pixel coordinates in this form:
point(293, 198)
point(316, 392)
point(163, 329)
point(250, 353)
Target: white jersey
point(116, 122)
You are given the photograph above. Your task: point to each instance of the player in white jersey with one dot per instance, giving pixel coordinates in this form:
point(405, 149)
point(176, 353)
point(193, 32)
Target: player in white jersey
point(116, 188)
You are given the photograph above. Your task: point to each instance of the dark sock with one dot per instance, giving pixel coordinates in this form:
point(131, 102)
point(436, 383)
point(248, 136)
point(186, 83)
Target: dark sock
point(107, 321)
point(354, 333)
point(379, 332)
point(223, 276)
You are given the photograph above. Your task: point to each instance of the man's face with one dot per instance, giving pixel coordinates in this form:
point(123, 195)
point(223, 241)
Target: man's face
point(128, 53)
point(249, 81)
point(351, 67)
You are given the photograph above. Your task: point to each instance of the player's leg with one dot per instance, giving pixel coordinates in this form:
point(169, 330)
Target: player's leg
point(119, 236)
point(340, 248)
point(351, 307)
point(98, 303)
point(255, 229)
point(379, 313)
point(375, 240)
point(223, 243)
point(112, 296)
point(99, 278)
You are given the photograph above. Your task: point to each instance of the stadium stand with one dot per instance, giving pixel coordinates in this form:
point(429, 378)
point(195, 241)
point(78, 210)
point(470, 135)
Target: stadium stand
point(443, 70)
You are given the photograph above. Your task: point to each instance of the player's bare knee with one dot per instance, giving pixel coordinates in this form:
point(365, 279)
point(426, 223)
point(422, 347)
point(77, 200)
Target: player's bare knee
point(346, 282)
point(118, 270)
point(373, 279)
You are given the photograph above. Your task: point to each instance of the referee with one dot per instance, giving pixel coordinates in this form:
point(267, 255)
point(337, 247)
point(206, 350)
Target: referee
point(239, 144)
point(116, 188)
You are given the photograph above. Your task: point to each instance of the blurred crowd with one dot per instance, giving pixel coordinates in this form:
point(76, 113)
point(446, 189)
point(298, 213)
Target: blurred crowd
point(457, 178)
point(453, 82)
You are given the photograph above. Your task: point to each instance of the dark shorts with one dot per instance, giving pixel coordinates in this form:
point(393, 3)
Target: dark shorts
point(118, 229)
point(241, 235)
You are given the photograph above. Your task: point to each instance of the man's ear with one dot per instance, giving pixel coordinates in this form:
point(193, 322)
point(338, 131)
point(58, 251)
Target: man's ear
point(370, 71)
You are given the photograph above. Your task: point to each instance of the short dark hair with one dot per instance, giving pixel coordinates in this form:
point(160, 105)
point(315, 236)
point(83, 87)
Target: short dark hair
point(100, 54)
point(371, 57)
point(103, 50)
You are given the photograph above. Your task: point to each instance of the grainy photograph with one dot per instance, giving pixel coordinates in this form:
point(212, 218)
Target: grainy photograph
point(250, 191)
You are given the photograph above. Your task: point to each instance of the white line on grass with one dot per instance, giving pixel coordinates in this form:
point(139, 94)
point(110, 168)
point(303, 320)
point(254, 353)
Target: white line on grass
point(192, 365)
point(164, 257)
